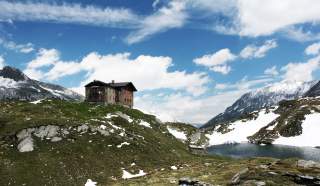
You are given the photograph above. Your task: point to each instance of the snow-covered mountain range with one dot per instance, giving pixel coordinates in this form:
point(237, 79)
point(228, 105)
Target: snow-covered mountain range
point(264, 97)
point(15, 85)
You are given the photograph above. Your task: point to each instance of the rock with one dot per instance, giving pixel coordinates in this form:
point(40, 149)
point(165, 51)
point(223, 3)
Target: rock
point(24, 133)
point(236, 178)
point(48, 131)
point(254, 183)
point(263, 166)
point(82, 128)
point(26, 145)
point(191, 182)
point(308, 164)
point(304, 179)
point(56, 139)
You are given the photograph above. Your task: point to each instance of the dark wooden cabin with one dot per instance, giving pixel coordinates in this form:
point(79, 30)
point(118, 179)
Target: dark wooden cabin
point(110, 93)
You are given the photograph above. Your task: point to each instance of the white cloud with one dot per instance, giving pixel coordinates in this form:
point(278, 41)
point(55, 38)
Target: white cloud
point(223, 69)
point(272, 71)
point(243, 84)
point(217, 61)
point(313, 49)
point(146, 72)
point(190, 109)
point(299, 34)
point(167, 17)
point(253, 51)
point(67, 13)
point(301, 71)
point(257, 18)
point(22, 48)
point(2, 64)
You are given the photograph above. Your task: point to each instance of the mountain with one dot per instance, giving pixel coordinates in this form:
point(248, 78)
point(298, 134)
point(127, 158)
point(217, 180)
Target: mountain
point(314, 91)
point(261, 98)
point(292, 122)
point(15, 85)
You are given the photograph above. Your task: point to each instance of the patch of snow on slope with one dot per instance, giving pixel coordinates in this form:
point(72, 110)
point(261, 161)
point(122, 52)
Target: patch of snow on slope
point(8, 83)
point(310, 133)
point(124, 143)
point(177, 134)
point(145, 124)
point(37, 101)
point(128, 175)
point(241, 129)
point(90, 183)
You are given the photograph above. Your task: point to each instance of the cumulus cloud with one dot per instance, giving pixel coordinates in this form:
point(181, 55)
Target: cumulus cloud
point(301, 71)
point(167, 17)
point(2, 64)
point(217, 61)
point(147, 72)
point(272, 71)
point(313, 49)
point(253, 51)
point(258, 18)
point(22, 48)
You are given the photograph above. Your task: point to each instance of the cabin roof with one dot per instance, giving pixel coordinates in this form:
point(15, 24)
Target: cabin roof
point(113, 85)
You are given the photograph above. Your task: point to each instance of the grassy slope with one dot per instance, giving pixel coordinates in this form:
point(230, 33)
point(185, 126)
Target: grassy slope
point(72, 162)
point(82, 156)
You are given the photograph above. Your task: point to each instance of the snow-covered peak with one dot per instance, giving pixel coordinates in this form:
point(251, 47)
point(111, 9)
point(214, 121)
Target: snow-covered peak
point(263, 97)
point(285, 87)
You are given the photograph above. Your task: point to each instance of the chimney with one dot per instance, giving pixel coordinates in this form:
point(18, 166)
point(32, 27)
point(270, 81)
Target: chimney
point(112, 81)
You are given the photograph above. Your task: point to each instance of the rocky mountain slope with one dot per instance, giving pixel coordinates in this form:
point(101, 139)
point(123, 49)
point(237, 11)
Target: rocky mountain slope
point(314, 91)
point(15, 85)
point(293, 122)
point(261, 98)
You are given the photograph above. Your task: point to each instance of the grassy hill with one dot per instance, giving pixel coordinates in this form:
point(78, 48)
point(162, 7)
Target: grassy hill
point(81, 153)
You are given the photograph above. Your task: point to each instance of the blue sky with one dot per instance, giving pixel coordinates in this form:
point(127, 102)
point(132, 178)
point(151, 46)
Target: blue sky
point(190, 59)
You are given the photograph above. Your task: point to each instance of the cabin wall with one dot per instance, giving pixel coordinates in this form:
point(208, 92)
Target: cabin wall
point(110, 95)
point(126, 97)
point(95, 94)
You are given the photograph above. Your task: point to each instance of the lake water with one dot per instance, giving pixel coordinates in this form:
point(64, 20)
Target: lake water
point(244, 150)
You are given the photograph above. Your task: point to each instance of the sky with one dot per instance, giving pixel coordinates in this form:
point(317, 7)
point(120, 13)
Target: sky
point(189, 59)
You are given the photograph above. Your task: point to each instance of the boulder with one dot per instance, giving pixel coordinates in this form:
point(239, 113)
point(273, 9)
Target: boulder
point(26, 145)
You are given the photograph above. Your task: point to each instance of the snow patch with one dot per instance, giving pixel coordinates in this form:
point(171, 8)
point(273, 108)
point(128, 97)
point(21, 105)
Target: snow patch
point(124, 143)
point(8, 83)
point(177, 134)
point(145, 124)
point(310, 133)
point(128, 175)
point(242, 129)
point(173, 167)
point(90, 183)
point(37, 101)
